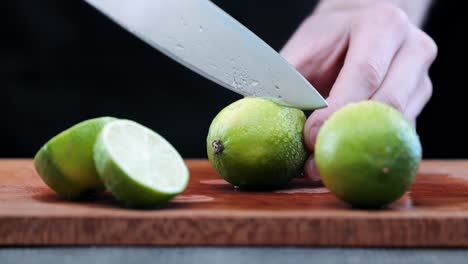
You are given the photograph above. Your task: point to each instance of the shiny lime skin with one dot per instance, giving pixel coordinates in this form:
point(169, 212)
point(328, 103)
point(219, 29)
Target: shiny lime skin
point(65, 163)
point(255, 143)
point(368, 154)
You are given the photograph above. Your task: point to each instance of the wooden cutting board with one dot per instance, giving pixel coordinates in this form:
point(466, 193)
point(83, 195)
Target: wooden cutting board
point(211, 212)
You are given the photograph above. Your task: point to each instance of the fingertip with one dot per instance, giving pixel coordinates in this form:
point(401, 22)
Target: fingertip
point(312, 126)
point(307, 129)
point(310, 170)
point(313, 132)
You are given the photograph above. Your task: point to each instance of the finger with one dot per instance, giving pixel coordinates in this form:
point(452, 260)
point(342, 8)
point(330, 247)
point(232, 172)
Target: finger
point(419, 99)
point(374, 42)
point(407, 71)
point(310, 170)
point(373, 45)
point(317, 49)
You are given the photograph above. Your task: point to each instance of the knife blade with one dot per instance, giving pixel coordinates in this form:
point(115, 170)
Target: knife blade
point(201, 36)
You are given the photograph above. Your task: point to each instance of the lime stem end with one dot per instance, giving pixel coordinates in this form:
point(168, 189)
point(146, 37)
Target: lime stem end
point(217, 147)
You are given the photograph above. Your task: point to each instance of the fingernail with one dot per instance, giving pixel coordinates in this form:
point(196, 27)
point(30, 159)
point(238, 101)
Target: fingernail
point(313, 134)
point(311, 171)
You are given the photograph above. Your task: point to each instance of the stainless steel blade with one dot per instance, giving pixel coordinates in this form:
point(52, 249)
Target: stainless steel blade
point(204, 38)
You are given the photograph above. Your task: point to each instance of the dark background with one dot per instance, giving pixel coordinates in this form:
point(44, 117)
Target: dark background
point(441, 125)
point(62, 62)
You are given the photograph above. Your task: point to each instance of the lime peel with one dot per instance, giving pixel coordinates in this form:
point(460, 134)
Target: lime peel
point(255, 143)
point(368, 154)
point(65, 163)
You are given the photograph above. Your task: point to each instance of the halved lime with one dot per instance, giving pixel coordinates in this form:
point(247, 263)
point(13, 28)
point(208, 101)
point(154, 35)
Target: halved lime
point(65, 162)
point(138, 166)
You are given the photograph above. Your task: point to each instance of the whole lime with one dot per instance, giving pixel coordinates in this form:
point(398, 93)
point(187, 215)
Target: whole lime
point(367, 154)
point(256, 143)
point(65, 163)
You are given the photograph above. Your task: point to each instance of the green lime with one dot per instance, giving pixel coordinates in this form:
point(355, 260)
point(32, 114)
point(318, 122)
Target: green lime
point(65, 162)
point(367, 154)
point(256, 143)
point(138, 166)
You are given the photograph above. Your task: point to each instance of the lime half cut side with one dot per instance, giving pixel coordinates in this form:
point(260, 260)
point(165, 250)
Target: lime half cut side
point(138, 166)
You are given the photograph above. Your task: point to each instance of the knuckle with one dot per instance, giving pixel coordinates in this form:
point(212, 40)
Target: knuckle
point(427, 90)
point(390, 14)
point(371, 74)
point(427, 45)
point(385, 16)
point(396, 102)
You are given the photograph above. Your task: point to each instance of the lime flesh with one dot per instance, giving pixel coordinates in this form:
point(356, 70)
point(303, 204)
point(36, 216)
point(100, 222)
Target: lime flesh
point(138, 166)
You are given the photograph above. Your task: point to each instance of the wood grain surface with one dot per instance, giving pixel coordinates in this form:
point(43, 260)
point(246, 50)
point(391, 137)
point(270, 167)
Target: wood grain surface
point(211, 212)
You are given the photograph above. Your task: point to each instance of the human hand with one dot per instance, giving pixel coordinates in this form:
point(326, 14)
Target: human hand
point(364, 52)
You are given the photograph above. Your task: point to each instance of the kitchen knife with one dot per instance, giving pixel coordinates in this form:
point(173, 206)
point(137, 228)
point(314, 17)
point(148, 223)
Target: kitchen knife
point(204, 38)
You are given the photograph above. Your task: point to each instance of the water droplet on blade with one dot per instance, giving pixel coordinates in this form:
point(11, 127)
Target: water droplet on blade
point(183, 21)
